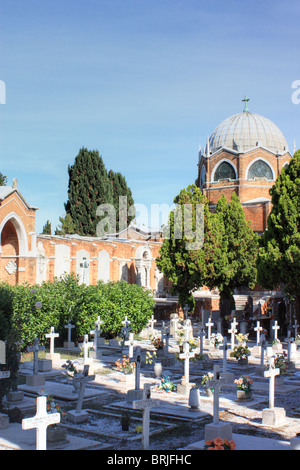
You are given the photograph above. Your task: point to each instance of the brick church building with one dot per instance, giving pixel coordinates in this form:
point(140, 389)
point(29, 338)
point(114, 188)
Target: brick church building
point(245, 154)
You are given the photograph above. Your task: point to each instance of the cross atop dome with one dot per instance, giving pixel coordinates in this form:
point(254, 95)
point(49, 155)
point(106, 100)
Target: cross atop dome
point(246, 99)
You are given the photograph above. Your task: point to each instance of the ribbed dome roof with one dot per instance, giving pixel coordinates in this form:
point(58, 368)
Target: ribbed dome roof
point(243, 131)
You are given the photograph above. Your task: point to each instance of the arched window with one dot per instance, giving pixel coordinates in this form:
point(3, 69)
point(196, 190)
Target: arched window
point(224, 171)
point(202, 176)
point(260, 169)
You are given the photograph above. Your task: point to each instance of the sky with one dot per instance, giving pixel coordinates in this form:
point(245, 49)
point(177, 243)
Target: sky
point(144, 82)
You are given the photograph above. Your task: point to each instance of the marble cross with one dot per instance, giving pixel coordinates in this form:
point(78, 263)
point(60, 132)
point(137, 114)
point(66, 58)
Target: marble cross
point(233, 330)
point(186, 355)
point(209, 325)
point(216, 384)
point(145, 405)
point(258, 329)
point(40, 422)
point(85, 377)
point(52, 335)
point(69, 327)
point(271, 374)
point(275, 327)
point(35, 348)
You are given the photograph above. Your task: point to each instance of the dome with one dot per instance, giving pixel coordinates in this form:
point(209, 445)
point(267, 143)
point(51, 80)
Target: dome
point(244, 131)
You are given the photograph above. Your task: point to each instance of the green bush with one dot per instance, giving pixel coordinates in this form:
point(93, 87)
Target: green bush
point(65, 299)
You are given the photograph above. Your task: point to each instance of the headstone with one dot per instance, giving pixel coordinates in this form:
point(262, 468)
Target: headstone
point(216, 428)
point(137, 393)
point(258, 329)
point(35, 378)
point(85, 346)
point(100, 339)
point(69, 344)
point(78, 415)
point(295, 326)
point(275, 328)
point(228, 376)
point(167, 360)
point(209, 325)
point(52, 335)
point(40, 422)
point(145, 405)
point(151, 322)
point(96, 353)
point(201, 337)
point(233, 331)
point(185, 386)
point(272, 416)
point(174, 320)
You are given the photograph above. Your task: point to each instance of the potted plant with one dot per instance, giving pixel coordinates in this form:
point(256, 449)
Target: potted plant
point(216, 339)
point(157, 343)
point(153, 359)
point(241, 353)
point(166, 385)
point(244, 389)
point(55, 433)
point(125, 366)
point(205, 381)
point(280, 363)
point(125, 420)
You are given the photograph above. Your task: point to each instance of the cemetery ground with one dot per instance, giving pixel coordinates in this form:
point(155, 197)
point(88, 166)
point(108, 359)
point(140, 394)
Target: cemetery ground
point(110, 396)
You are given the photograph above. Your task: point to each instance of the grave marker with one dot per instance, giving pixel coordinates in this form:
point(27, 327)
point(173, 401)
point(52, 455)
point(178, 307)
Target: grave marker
point(137, 393)
point(258, 329)
point(40, 422)
point(69, 343)
point(52, 335)
point(209, 325)
point(77, 415)
point(272, 416)
point(145, 405)
point(85, 346)
point(275, 328)
point(217, 429)
point(35, 378)
point(233, 331)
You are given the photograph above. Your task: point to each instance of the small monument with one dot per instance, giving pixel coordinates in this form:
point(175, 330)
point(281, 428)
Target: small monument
point(272, 416)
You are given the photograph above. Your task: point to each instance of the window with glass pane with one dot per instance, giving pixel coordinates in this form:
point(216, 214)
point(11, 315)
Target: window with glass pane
point(224, 171)
point(260, 169)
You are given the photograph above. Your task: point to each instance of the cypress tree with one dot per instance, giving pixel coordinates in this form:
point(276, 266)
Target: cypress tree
point(89, 187)
point(279, 254)
point(120, 188)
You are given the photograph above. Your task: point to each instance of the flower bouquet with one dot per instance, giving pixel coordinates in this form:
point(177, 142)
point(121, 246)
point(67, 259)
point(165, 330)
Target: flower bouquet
point(157, 343)
point(219, 444)
point(166, 385)
point(125, 366)
point(244, 383)
point(216, 339)
point(241, 353)
point(151, 358)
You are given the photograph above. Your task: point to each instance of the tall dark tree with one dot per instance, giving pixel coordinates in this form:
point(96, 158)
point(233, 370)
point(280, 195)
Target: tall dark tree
point(279, 255)
point(89, 187)
point(125, 212)
point(3, 180)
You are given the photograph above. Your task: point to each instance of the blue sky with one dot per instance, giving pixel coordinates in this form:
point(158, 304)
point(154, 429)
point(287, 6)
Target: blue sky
point(144, 82)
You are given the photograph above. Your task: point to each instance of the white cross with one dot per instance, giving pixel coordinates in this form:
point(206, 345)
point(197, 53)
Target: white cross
point(69, 327)
point(52, 335)
point(131, 344)
point(271, 373)
point(41, 421)
point(258, 329)
point(233, 330)
point(35, 349)
point(85, 346)
point(186, 355)
point(174, 322)
point(262, 350)
point(151, 322)
point(275, 327)
point(216, 384)
point(209, 325)
point(145, 404)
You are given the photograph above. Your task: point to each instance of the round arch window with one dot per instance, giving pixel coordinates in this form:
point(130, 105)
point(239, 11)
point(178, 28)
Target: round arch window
point(260, 169)
point(224, 171)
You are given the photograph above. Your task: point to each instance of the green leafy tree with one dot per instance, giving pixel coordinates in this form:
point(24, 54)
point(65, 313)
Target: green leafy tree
point(89, 187)
point(47, 228)
point(66, 226)
point(240, 246)
point(279, 254)
point(3, 180)
point(185, 258)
